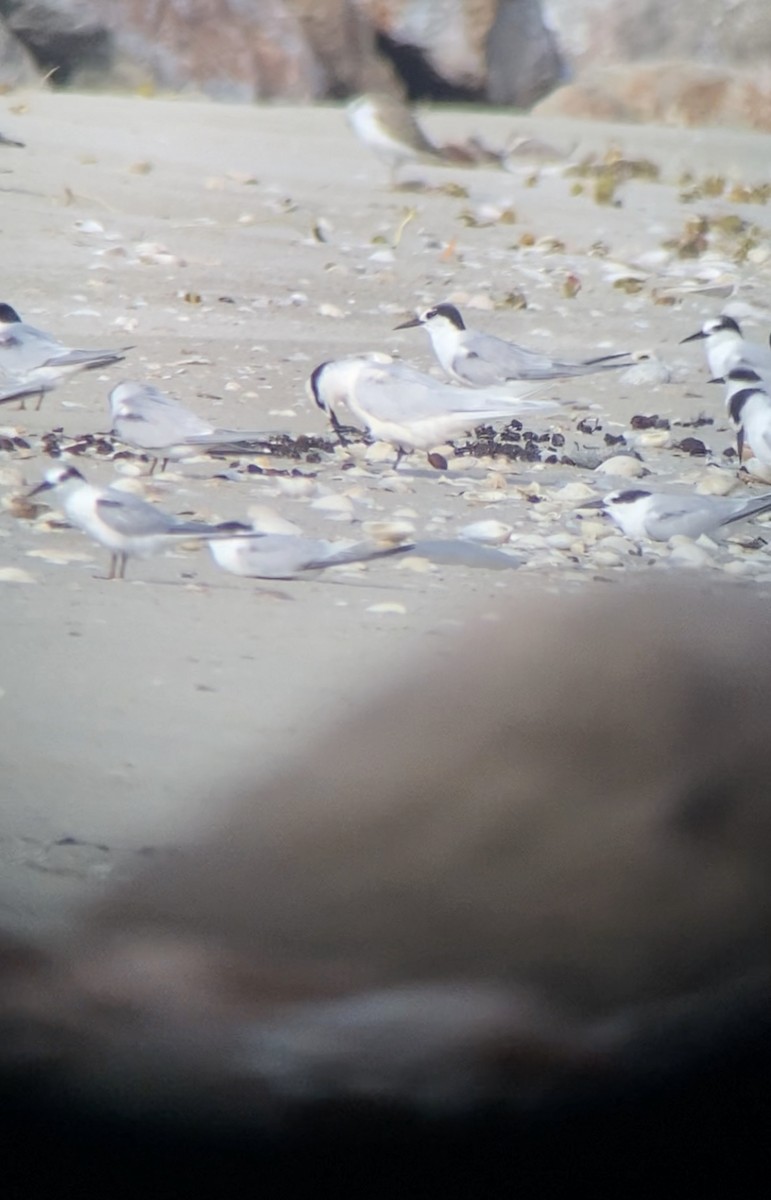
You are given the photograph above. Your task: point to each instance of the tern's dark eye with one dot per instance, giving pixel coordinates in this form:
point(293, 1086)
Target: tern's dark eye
point(432, 312)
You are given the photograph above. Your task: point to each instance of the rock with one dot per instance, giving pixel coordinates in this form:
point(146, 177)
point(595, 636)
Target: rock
point(669, 93)
point(523, 59)
point(595, 32)
point(498, 50)
point(64, 36)
point(228, 49)
point(434, 42)
point(17, 66)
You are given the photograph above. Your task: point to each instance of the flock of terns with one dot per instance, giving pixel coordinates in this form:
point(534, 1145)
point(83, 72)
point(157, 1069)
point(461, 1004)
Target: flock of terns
point(489, 380)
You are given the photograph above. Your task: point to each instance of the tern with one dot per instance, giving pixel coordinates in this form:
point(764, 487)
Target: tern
point(33, 362)
point(481, 360)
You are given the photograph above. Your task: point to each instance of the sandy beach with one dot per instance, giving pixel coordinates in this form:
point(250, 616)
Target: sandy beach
point(235, 249)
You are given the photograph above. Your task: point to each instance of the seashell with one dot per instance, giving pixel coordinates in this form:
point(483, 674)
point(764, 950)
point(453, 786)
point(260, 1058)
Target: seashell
point(623, 465)
point(337, 506)
point(490, 533)
point(388, 606)
point(560, 541)
point(716, 482)
point(15, 575)
point(388, 533)
point(606, 558)
point(575, 491)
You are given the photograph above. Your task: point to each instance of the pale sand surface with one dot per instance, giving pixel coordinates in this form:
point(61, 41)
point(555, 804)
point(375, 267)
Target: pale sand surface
point(128, 710)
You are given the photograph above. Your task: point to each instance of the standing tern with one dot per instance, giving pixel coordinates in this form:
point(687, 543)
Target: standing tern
point(660, 516)
point(125, 524)
point(749, 406)
point(145, 418)
point(33, 362)
point(389, 129)
point(481, 360)
point(410, 410)
point(727, 348)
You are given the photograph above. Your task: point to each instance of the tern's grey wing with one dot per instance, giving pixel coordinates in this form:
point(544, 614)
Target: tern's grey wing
point(23, 348)
point(484, 360)
point(133, 517)
point(734, 511)
point(360, 552)
point(685, 516)
point(139, 396)
point(407, 397)
point(11, 389)
point(83, 358)
point(156, 426)
point(280, 555)
point(284, 556)
point(487, 360)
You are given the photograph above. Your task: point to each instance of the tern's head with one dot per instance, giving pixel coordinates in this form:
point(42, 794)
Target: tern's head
point(57, 477)
point(331, 382)
point(718, 325)
point(624, 498)
point(441, 316)
point(617, 501)
point(122, 395)
point(8, 315)
point(744, 384)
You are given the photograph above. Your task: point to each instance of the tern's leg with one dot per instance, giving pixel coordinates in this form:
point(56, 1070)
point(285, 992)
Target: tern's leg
point(40, 396)
point(399, 456)
point(122, 560)
point(337, 427)
point(740, 443)
point(113, 564)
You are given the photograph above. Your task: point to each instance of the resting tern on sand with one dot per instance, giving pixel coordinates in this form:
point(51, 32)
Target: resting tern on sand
point(481, 360)
point(146, 419)
point(660, 516)
point(125, 524)
point(410, 410)
point(292, 556)
point(33, 362)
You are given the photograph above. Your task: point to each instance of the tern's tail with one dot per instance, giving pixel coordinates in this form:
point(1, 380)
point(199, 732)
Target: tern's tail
point(362, 552)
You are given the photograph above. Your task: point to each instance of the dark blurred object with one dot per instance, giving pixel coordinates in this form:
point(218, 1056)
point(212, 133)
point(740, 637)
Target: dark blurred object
point(504, 930)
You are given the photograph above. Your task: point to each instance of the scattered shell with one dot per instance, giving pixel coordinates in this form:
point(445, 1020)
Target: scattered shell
point(388, 533)
point(653, 439)
point(687, 553)
point(560, 541)
point(648, 371)
point(739, 566)
point(297, 487)
point(416, 563)
point(606, 558)
point(337, 506)
point(15, 575)
point(388, 606)
point(267, 520)
point(575, 491)
point(716, 483)
point(623, 465)
point(490, 533)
